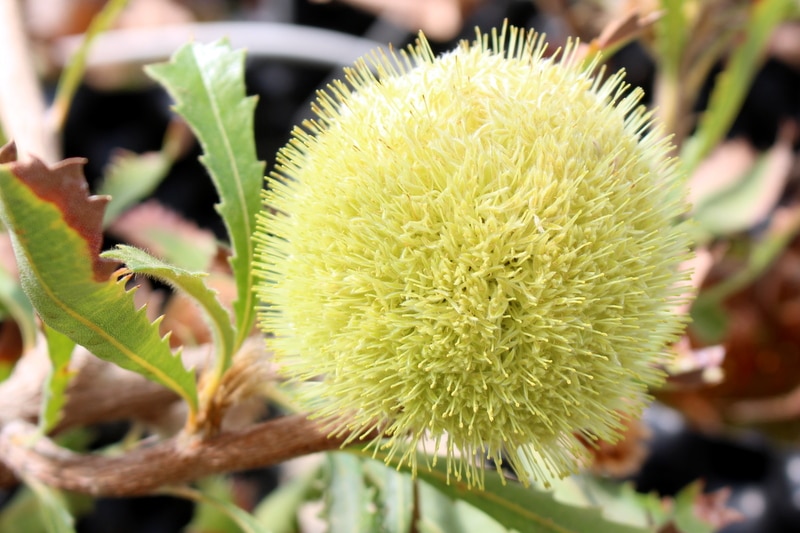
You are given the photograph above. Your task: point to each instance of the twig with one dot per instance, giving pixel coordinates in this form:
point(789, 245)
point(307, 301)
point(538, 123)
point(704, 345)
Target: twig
point(22, 107)
point(178, 460)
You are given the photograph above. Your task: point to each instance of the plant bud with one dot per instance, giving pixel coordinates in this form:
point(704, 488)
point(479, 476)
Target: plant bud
point(480, 250)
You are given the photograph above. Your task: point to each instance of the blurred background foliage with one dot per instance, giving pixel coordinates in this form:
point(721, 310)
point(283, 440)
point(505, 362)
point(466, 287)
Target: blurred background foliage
point(722, 75)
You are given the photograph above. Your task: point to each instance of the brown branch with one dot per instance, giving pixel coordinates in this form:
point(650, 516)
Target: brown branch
point(177, 460)
point(99, 391)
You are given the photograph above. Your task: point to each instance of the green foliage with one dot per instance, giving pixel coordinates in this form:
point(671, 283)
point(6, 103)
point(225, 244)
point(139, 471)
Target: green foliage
point(512, 506)
point(733, 83)
point(130, 178)
point(730, 210)
point(395, 497)
point(73, 73)
point(527, 510)
point(671, 36)
point(215, 503)
point(441, 514)
point(55, 514)
point(279, 509)
point(24, 513)
point(207, 83)
point(140, 262)
point(350, 506)
point(55, 231)
point(59, 349)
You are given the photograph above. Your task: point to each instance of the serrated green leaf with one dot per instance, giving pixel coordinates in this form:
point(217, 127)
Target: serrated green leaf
point(279, 509)
point(140, 262)
point(59, 348)
point(527, 510)
point(349, 505)
point(55, 515)
point(731, 86)
point(55, 232)
point(395, 496)
point(207, 84)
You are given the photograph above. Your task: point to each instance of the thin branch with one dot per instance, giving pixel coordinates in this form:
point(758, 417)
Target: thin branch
point(89, 397)
point(22, 106)
point(178, 460)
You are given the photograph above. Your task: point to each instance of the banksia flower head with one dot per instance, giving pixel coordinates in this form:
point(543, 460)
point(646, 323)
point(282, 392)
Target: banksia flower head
point(479, 250)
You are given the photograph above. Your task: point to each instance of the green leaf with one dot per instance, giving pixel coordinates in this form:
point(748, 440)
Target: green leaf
point(207, 84)
point(73, 72)
point(619, 501)
point(54, 397)
point(349, 501)
point(55, 232)
point(279, 509)
point(731, 86)
point(219, 501)
point(671, 36)
point(684, 512)
point(527, 510)
point(21, 513)
point(709, 320)
point(749, 200)
point(55, 515)
point(395, 496)
point(440, 514)
point(140, 262)
point(131, 177)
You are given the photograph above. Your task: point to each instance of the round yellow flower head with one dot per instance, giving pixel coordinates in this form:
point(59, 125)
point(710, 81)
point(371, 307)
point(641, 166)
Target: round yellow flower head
point(478, 250)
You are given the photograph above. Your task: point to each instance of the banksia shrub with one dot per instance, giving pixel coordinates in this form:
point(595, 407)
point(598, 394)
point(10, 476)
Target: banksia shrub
point(478, 251)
